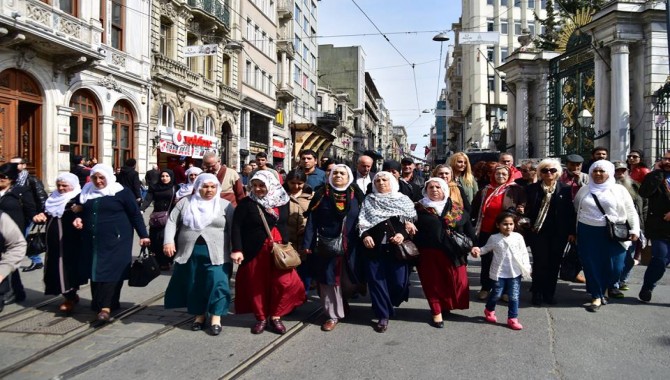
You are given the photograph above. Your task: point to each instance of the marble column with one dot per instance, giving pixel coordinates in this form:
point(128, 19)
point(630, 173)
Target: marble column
point(619, 100)
point(284, 64)
point(104, 150)
point(521, 124)
point(601, 116)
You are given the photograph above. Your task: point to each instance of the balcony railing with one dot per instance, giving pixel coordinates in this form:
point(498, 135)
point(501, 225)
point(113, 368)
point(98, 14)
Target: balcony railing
point(285, 9)
point(216, 8)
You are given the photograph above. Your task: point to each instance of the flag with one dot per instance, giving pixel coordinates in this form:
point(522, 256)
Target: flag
point(412, 147)
point(426, 150)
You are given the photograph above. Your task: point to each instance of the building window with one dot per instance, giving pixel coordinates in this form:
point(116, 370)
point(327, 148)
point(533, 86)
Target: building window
point(83, 124)
point(492, 83)
point(503, 26)
point(69, 6)
point(459, 100)
point(165, 43)
point(531, 4)
point(264, 79)
point(504, 52)
point(243, 124)
point(250, 29)
point(517, 27)
point(208, 66)
point(166, 117)
point(257, 77)
point(503, 3)
point(543, 4)
point(458, 66)
point(122, 133)
point(209, 126)
point(271, 85)
point(192, 62)
point(247, 73)
point(297, 74)
point(490, 54)
point(503, 85)
point(531, 28)
point(225, 70)
point(118, 23)
point(489, 25)
point(489, 2)
point(297, 43)
point(190, 122)
point(103, 20)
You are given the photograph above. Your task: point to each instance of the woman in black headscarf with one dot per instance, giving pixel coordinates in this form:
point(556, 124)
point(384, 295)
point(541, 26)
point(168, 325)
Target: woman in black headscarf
point(333, 213)
point(162, 194)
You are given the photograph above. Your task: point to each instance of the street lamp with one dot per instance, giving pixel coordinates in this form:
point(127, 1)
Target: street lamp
point(441, 37)
point(585, 118)
point(496, 133)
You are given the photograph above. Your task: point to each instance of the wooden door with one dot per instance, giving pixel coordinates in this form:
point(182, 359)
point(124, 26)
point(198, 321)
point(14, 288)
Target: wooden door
point(7, 123)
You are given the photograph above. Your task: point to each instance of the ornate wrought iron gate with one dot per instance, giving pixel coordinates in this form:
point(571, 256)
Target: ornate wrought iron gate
point(571, 90)
point(662, 119)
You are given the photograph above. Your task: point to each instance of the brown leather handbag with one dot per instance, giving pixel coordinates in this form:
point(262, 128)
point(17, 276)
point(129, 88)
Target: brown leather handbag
point(406, 250)
point(285, 256)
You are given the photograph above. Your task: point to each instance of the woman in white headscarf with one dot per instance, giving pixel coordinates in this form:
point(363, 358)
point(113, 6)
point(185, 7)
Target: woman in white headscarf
point(186, 189)
point(333, 213)
point(602, 257)
point(442, 267)
point(382, 223)
point(260, 287)
point(202, 262)
point(109, 215)
point(63, 273)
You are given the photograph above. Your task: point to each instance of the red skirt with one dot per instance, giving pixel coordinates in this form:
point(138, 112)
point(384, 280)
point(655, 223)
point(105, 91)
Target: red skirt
point(264, 290)
point(445, 286)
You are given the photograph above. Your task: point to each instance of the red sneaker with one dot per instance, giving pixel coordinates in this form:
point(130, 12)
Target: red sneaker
point(514, 324)
point(490, 316)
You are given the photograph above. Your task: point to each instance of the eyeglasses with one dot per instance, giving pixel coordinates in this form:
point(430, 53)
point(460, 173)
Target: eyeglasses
point(633, 156)
point(2, 176)
point(549, 170)
point(665, 158)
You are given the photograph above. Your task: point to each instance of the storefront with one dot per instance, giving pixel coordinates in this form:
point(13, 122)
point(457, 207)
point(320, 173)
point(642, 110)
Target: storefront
point(183, 146)
point(278, 153)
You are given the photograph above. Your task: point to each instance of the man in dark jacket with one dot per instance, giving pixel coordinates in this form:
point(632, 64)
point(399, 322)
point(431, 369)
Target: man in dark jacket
point(657, 226)
point(37, 193)
point(12, 250)
point(128, 177)
point(78, 168)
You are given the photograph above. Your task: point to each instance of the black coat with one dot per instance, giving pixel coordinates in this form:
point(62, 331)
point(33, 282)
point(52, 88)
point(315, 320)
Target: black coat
point(432, 233)
point(653, 188)
point(377, 234)
point(108, 235)
point(19, 204)
point(561, 217)
point(62, 275)
point(129, 179)
point(248, 232)
point(82, 173)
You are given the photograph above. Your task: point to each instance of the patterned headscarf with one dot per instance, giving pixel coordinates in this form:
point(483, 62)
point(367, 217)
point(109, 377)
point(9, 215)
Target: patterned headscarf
point(201, 212)
point(379, 207)
point(91, 192)
point(276, 195)
point(55, 204)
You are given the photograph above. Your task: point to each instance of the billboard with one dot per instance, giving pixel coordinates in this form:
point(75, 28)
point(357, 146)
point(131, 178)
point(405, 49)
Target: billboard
point(479, 38)
point(198, 50)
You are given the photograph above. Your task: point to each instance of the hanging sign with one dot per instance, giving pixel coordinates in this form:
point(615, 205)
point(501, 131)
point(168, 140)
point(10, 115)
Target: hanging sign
point(199, 50)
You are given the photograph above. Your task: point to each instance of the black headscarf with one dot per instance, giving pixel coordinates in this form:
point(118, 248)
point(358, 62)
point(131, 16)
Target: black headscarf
point(160, 186)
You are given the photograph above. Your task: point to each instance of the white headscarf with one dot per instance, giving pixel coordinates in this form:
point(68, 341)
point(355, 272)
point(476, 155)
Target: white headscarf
point(201, 212)
point(379, 207)
point(91, 192)
point(607, 167)
point(186, 189)
point(437, 205)
point(55, 204)
point(276, 195)
point(351, 177)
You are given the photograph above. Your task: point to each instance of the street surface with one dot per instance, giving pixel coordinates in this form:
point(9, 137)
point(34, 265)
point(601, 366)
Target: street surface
point(624, 340)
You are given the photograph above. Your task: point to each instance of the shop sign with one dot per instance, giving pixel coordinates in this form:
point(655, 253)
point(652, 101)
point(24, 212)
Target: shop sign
point(180, 137)
point(170, 148)
point(199, 151)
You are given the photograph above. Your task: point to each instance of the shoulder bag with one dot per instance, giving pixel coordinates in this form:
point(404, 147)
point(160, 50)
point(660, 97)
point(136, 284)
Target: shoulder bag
point(459, 242)
point(37, 240)
point(617, 231)
point(330, 247)
point(144, 269)
point(158, 219)
point(406, 250)
point(285, 256)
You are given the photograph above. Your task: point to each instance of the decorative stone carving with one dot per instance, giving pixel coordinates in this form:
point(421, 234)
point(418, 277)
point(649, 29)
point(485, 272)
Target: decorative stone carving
point(38, 14)
point(25, 58)
point(167, 9)
point(181, 97)
point(70, 28)
point(110, 83)
point(119, 59)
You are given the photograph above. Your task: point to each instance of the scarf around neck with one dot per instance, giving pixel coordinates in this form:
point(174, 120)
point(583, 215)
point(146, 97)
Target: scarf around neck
point(55, 204)
point(201, 212)
point(379, 207)
point(91, 192)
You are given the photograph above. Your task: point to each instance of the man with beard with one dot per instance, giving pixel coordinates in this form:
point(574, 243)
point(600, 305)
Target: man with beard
point(656, 188)
point(231, 185)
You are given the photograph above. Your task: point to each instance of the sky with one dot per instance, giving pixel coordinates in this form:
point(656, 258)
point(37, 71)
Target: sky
point(410, 26)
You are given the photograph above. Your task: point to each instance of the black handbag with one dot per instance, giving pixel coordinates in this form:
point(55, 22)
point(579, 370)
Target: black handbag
point(459, 242)
point(406, 250)
point(36, 240)
point(144, 269)
point(617, 231)
point(570, 264)
point(330, 247)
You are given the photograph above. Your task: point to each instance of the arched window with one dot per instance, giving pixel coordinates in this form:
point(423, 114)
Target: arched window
point(122, 133)
point(209, 126)
point(166, 117)
point(190, 122)
point(83, 124)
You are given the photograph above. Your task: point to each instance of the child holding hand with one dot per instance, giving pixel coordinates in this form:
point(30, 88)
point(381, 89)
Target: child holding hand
point(510, 263)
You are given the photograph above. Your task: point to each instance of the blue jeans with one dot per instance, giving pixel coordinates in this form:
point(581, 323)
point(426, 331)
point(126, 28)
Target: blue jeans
point(660, 258)
point(628, 264)
point(513, 286)
point(37, 259)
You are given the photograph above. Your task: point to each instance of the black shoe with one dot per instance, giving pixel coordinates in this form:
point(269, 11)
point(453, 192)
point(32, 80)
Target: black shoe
point(197, 326)
point(32, 267)
point(215, 329)
point(645, 295)
point(15, 298)
point(437, 325)
point(593, 307)
point(537, 299)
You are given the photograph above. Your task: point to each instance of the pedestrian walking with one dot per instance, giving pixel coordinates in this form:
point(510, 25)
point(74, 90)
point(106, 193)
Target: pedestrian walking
point(162, 195)
point(510, 263)
point(456, 192)
point(129, 178)
point(382, 223)
point(109, 215)
point(442, 270)
point(63, 273)
point(331, 240)
point(12, 251)
point(186, 189)
point(602, 256)
point(200, 281)
point(300, 196)
point(261, 288)
point(462, 173)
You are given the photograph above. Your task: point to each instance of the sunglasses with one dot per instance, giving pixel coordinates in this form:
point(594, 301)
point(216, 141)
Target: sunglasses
point(633, 156)
point(549, 170)
point(2, 176)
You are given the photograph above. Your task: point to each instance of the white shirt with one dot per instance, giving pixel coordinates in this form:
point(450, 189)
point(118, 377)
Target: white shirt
point(363, 181)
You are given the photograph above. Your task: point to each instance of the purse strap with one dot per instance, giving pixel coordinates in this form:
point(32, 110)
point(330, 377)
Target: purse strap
point(598, 204)
point(265, 223)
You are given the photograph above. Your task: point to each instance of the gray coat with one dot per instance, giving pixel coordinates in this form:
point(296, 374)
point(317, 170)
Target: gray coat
point(216, 234)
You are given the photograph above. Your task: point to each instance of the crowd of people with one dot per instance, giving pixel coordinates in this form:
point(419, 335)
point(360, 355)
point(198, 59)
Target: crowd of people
point(356, 231)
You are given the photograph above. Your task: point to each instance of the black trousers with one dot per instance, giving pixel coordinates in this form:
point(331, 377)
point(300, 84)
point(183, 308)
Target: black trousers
point(105, 295)
point(487, 259)
point(547, 250)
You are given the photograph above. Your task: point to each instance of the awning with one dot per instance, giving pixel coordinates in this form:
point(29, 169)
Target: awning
point(278, 150)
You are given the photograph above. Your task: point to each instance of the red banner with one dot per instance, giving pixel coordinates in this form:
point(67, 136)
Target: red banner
point(412, 147)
